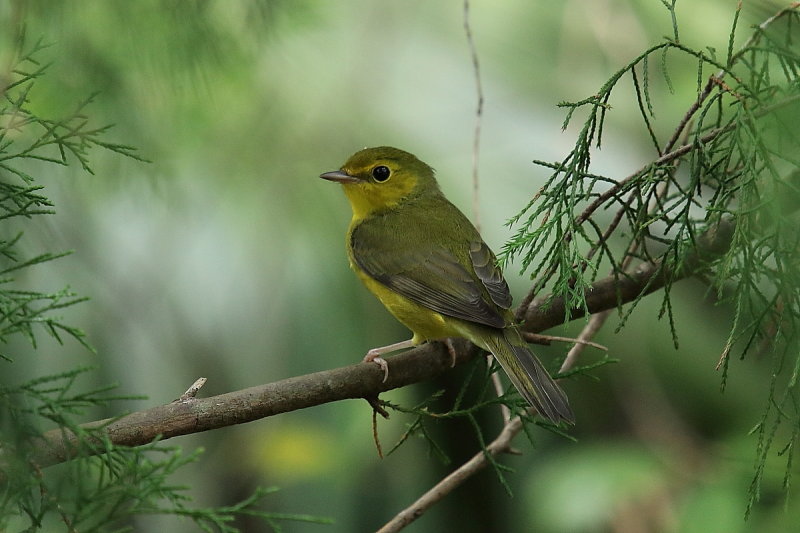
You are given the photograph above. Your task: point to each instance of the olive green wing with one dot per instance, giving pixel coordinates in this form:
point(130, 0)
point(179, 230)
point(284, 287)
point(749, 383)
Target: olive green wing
point(458, 279)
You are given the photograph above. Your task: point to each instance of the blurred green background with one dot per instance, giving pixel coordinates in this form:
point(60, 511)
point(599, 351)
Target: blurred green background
point(224, 257)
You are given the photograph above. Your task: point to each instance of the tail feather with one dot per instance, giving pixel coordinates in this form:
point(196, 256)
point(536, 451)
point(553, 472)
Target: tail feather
point(529, 376)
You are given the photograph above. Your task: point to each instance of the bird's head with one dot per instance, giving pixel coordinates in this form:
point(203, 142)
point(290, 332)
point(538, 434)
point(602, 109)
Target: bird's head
point(380, 178)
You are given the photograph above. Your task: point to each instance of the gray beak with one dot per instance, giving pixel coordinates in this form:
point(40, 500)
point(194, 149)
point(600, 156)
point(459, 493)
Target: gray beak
point(339, 176)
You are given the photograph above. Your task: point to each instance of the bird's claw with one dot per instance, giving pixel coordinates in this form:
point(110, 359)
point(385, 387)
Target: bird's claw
point(375, 357)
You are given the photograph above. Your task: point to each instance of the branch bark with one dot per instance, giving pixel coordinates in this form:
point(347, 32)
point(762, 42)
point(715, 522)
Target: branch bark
point(193, 415)
point(624, 287)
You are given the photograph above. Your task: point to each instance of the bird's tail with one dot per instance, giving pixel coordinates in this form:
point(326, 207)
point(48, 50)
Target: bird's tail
point(528, 375)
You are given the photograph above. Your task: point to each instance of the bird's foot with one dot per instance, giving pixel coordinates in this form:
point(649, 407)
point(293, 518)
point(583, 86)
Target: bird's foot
point(374, 356)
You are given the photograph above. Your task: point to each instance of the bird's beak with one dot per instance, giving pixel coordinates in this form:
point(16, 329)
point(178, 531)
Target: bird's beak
point(340, 176)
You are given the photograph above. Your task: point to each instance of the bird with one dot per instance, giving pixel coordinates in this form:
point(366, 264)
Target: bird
point(428, 265)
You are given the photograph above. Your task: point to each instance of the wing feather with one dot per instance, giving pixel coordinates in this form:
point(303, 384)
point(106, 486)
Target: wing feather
point(427, 272)
point(486, 268)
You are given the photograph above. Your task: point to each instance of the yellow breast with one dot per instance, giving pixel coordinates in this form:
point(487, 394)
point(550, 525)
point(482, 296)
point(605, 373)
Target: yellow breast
point(423, 322)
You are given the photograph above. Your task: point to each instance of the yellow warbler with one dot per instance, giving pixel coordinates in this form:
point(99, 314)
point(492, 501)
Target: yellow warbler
point(428, 265)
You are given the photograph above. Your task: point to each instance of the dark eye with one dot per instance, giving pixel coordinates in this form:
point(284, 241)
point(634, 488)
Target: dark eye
point(381, 173)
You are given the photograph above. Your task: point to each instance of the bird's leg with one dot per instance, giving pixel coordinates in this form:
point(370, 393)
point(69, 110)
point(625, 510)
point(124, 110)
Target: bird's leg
point(374, 355)
point(451, 349)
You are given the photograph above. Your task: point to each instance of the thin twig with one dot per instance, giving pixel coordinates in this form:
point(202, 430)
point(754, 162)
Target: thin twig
point(476, 139)
point(538, 338)
point(591, 328)
point(45, 495)
point(612, 226)
point(478, 461)
point(690, 113)
point(377, 408)
point(497, 383)
point(375, 436)
point(192, 391)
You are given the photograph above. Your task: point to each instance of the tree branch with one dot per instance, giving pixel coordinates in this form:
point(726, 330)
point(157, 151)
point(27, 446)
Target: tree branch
point(624, 287)
point(193, 415)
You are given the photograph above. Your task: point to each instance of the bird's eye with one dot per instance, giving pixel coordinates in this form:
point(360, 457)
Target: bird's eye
point(381, 173)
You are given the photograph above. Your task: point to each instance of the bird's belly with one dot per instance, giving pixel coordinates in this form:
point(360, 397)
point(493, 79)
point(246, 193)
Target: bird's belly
point(425, 323)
